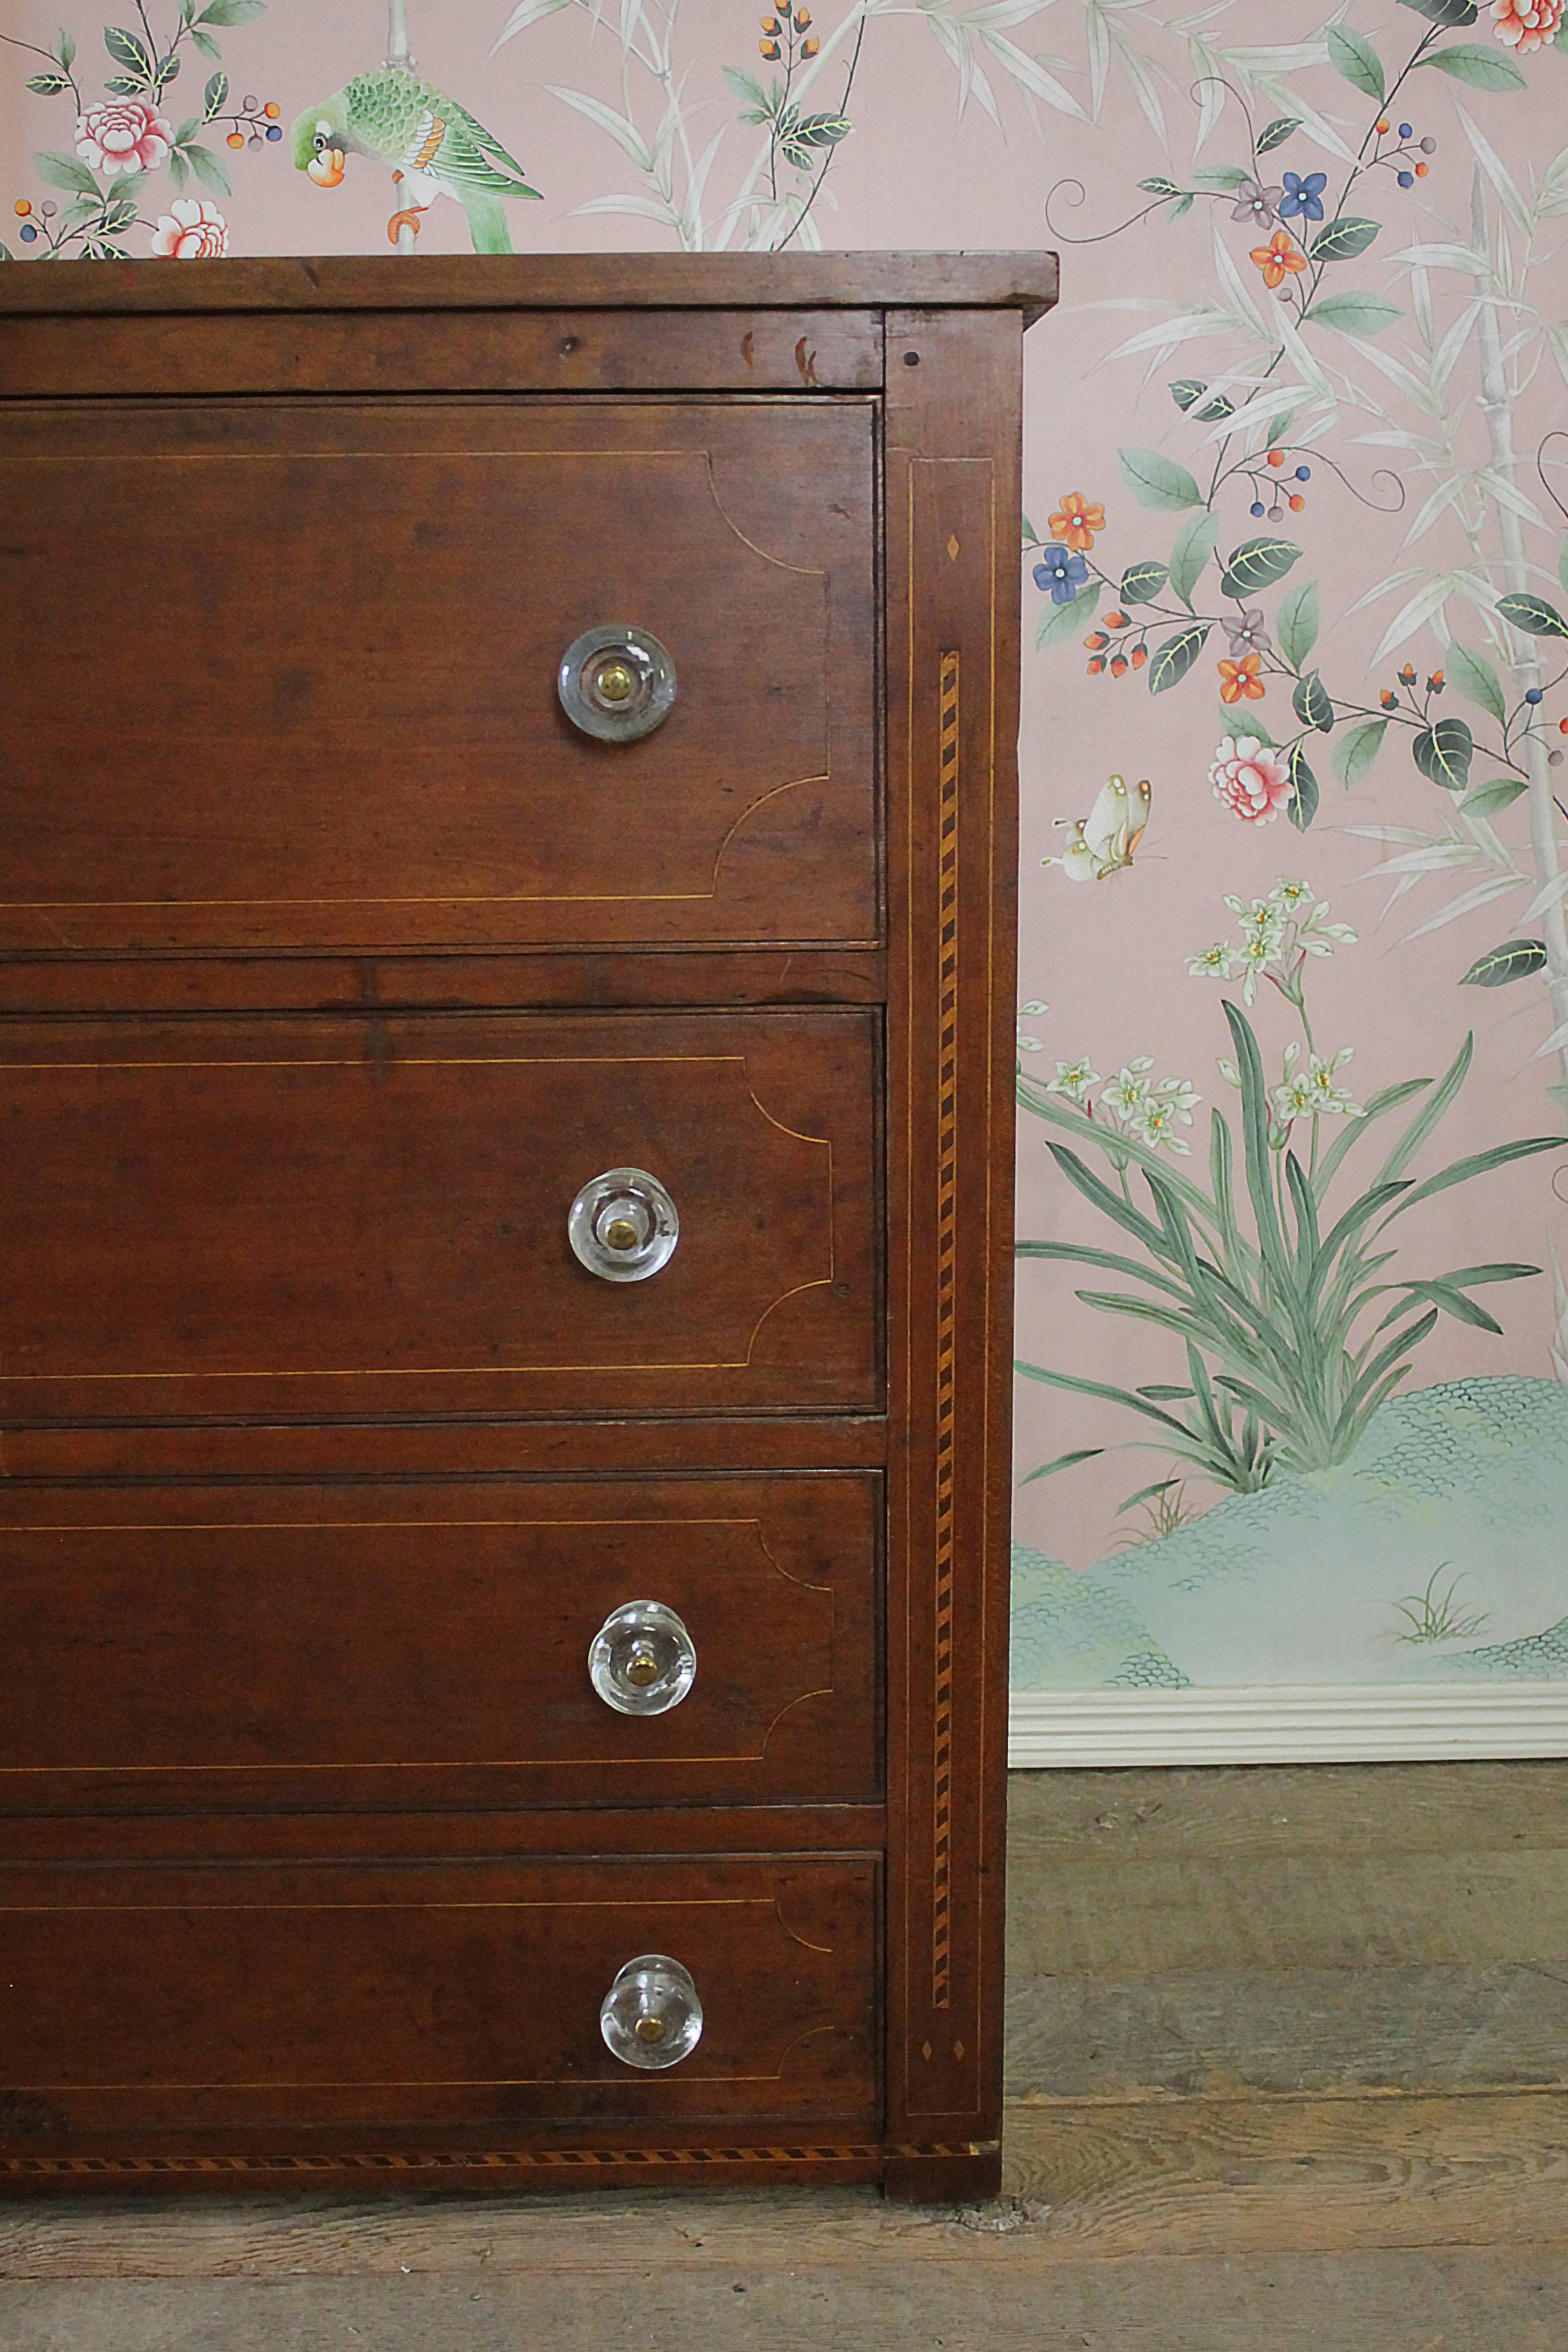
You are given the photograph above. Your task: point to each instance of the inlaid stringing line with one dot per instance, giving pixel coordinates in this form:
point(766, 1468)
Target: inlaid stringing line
point(946, 1319)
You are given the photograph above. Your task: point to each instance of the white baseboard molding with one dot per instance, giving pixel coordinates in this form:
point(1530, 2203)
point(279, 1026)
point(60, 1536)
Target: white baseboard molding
point(1363, 1723)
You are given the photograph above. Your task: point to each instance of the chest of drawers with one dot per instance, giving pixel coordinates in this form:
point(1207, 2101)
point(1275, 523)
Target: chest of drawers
point(506, 1011)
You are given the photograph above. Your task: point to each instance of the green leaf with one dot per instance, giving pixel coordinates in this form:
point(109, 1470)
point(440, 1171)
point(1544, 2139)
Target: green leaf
point(1486, 799)
point(824, 130)
point(1355, 314)
point(1312, 703)
point(1061, 622)
point(1274, 134)
point(1353, 55)
point(65, 48)
point(1229, 717)
point(1183, 204)
point(119, 214)
point(1159, 482)
point(215, 92)
point(205, 42)
point(1158, 187)
point(127, 51)
point(1256, 563)
point(1479, 68)
point(48, 85)
point(1190, 552)
point(1170, 662)
point(1098, 1389)
point(747, 87)
point(1063, 1461)
point(1476, 679)
point(1188, 390)
point(124, 85)
point(1147, 1493)
point(1515, 959)
point(1356, 750)
point(1562, 551)
point(1305, 796)
point(1446, 13)
point(232, 12)
point(65, 172)
point(1142, 583)
point(167, 72)
point(179, 171)
point(1443, 753)
point(1221, 179)
point(1533, 615)
point(1344, 239)
point(207, 169)
point(1297, 623)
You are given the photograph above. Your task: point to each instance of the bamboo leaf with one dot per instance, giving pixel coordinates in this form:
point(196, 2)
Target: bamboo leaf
point(1515, 959)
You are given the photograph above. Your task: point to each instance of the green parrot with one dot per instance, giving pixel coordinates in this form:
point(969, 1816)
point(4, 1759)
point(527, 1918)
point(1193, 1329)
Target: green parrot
point(433, 145)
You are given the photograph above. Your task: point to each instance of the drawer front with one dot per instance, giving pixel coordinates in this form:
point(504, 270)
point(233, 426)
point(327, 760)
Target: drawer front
point(220, 1998)
point(337, 723)
point(383, 1645)
point(338, 1219)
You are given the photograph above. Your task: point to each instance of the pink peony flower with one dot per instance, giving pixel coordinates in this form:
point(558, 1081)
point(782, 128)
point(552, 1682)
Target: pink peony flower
point(1250, 778)
point(120, 135)
point(1526, 24)
point(191, 231)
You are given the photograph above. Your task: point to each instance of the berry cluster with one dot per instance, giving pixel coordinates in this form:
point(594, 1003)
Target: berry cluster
point(1407, 160)
point(255, 123)
point(1119, 645)
point(1390, 700)
point(1280, 495)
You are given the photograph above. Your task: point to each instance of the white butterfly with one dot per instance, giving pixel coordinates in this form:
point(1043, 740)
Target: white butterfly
point(1104, 842)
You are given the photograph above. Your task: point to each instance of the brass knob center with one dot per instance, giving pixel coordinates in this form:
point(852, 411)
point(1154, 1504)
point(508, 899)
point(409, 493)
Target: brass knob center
point(643, 1669)
point(621, 1234)
point(649, 2029)
point(615, 683)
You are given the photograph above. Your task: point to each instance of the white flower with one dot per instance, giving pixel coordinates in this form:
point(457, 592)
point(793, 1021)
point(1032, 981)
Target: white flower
point(1129, 1089)
point(1155, 1122)
point(1315, 937)
point(1318, 1080)
point(1074, 1080)
point(1259, 949)
point(191, 231)
point(1215, 963)
point(1229, 1073)
point(1030, 1044)
point(1286, 896)
point(1294, 1099)
point(1034, 1005)
point(1180, 1096)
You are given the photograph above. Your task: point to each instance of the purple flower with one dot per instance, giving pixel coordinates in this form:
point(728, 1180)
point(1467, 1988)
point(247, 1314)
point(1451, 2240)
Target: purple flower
point(1062, 574)
point(1303, 195)
point(1247, 634)
point(1257, 203)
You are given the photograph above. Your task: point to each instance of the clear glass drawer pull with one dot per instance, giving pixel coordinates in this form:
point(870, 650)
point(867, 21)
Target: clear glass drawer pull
point(651, 2016)
point(617, 682)
point(623, 1225)
point(642, 1660)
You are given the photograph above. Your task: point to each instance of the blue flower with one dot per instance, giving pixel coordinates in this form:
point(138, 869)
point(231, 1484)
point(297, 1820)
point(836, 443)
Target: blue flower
point(1303, 197)
point(1062, 574)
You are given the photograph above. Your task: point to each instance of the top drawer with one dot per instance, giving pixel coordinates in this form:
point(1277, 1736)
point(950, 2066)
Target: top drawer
point(314, 702)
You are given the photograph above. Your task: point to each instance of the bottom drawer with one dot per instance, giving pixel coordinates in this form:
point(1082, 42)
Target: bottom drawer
point(152, 2000)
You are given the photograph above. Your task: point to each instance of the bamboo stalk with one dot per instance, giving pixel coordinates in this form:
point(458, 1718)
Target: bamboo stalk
point(397, 54)
point(1498, 409)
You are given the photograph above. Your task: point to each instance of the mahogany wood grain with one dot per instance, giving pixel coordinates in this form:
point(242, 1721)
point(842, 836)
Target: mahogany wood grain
point(952, 464)
point(586, 352)
point(562, 977)
point(409, 1645)
point(336, 724)
point(1024, 282)
point(297, 1217)
point(175, 1999)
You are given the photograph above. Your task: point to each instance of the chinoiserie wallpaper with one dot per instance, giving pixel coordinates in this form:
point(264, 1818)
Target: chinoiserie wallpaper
point(1293, 1042)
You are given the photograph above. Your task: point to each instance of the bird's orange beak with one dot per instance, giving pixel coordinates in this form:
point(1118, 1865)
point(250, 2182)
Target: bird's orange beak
point(327, 169)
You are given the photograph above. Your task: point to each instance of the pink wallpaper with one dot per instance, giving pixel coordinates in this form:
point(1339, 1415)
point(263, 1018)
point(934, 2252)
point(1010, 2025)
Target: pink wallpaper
point(1305, 398)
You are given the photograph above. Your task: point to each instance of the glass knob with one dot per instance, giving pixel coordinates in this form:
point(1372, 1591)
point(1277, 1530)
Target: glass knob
point(651, 2016)
point(623, 1225)
point(642, 1660)
point(617, 682)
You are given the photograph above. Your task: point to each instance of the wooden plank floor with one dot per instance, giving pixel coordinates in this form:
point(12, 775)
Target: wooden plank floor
point(1288, 2069)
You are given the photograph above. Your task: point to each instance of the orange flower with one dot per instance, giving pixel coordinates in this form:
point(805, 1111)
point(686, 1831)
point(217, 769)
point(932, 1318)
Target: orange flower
point(1238, 680)
point(1280, 258)
point(1075, 522)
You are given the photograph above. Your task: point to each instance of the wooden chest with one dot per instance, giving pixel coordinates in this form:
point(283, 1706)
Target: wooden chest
point(506, 1018)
